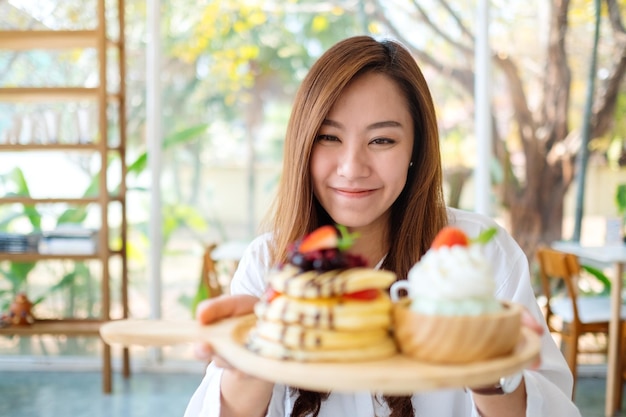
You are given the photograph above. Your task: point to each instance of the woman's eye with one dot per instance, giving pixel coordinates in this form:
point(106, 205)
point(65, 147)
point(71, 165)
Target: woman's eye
point(382, 141)
point(327, 138)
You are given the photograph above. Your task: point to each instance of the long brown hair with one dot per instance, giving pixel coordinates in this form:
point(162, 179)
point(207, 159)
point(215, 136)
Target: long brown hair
point(417, 214)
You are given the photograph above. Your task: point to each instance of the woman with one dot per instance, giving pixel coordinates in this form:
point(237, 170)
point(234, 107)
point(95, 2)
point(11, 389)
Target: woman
point(362, 150)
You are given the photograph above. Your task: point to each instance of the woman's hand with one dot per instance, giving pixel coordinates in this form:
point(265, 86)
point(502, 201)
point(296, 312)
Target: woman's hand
point(215, 309)
point(512, 404)
point(529, 321)
point(241, 394)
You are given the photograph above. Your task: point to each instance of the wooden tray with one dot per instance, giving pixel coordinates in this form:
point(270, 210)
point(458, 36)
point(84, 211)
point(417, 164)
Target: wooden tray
point(397, 375)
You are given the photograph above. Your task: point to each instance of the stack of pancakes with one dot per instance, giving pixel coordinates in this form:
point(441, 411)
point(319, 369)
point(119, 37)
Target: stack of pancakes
point(336, 315)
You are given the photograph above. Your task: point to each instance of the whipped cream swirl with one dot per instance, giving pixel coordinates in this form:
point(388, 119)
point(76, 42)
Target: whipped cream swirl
point(453, 281)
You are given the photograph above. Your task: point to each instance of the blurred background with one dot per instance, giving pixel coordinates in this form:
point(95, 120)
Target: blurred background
point(227, 72)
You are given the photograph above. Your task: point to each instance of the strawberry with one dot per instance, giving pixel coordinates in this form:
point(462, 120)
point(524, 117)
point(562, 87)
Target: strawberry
point(363, 295)
point(270, 294)
point(450, 236)
point(327, 237)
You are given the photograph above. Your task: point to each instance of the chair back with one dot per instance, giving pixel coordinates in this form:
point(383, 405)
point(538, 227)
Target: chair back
point(209, 273)
point(556, 267)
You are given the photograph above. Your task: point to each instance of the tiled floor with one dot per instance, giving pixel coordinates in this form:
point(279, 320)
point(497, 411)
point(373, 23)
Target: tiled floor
point(590, 397)
point(150, 394)
point(78, 394)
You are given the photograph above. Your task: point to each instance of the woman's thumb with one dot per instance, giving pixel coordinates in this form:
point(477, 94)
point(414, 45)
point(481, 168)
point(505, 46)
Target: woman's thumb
point(214, 309)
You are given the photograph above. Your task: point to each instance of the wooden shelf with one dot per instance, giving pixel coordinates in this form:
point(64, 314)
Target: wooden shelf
point(86, 147)
point(47, 39)
point(69, 327)
point(30, 200)
point(58, 200)
point(39, 94)
point(34, 257)
point(22, 40)
point(50, 147)
point(47, 93)
point(100, 96)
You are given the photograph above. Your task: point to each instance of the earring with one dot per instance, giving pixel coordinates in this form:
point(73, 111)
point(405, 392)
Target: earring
point(410, 164)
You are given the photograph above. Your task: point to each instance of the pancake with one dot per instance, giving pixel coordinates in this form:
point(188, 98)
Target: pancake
point(328, 313)
point(277, 350)
point(308, 338)
point(294, 282)
point(324, 304)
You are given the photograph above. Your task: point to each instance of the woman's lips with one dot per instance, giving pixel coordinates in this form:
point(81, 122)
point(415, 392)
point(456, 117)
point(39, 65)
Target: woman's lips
point(354, 192)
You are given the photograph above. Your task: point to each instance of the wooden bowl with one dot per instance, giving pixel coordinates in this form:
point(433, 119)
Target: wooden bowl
point(457, 339)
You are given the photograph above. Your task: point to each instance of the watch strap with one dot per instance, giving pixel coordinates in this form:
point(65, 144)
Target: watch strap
point(505, 385)
point(489, 390)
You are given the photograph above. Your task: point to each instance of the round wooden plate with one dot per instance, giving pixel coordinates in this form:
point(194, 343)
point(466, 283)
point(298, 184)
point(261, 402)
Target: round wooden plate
point(397, 375)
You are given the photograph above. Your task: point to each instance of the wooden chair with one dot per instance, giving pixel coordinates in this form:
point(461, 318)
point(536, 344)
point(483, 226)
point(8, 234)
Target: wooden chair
point(567, 314)
point(209, 285)
point(209, 272)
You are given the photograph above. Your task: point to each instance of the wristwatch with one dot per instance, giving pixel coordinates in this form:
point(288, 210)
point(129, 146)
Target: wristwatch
point(506, 385)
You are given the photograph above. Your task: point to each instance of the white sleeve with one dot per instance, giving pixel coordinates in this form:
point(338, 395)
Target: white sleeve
point(549, 387)
point(249, 278)
point(205, 401)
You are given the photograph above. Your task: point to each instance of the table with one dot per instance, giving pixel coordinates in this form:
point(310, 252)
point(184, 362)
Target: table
point(615, 255)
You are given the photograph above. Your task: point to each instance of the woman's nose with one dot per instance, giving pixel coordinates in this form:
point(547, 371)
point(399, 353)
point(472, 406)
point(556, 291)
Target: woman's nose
point(353, 163)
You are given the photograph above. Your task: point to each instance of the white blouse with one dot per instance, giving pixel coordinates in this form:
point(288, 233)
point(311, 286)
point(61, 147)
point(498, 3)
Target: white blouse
point(548, 388)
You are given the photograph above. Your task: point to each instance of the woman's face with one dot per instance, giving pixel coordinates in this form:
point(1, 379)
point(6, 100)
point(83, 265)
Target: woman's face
point(361, 155)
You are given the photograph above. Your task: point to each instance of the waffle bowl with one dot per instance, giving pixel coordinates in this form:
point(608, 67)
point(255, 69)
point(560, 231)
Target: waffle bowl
point(457, 339)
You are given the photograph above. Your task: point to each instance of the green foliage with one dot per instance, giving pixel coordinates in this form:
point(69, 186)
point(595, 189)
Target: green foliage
point(17, 273)
point(619, 127)
point(620, 199)
point(617, 151)
point(181, 137)
point(601, 277)
point(15, 182)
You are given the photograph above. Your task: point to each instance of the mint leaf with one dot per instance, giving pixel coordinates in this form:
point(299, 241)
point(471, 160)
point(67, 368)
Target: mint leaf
point(485, 236)
point(346, 239)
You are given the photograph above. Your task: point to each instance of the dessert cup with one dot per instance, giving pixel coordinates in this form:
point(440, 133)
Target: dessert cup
point(456, 339)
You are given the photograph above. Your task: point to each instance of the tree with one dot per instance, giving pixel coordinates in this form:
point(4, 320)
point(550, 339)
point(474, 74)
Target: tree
point(533, 192)
point(253, 57)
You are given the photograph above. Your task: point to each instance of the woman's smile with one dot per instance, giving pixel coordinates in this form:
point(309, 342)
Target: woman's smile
point(355, 192)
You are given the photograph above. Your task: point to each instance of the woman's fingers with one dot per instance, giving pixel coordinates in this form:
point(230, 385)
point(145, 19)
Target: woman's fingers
point(203, 351)
point(214, 309)
point(221, 363)
point(528, 320)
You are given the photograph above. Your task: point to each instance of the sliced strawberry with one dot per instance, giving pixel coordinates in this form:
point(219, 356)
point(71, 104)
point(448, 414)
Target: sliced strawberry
point(450, 236)
point(325, 237)
point(270, 294)
point(363, 295)
point(328, 237)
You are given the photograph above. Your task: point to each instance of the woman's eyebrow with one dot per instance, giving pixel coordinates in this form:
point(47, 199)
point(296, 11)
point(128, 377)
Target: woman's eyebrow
point(377, 125)
point(386, 123)
point(332, 123)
